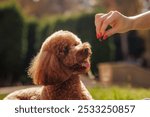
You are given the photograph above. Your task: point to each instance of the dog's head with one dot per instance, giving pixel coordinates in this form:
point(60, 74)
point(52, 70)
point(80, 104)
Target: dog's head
point(61, 55)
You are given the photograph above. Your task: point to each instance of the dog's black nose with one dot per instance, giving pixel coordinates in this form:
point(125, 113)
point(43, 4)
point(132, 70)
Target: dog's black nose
point(86, 50)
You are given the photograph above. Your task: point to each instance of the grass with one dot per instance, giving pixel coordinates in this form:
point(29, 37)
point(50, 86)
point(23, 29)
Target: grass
point(2, 96)
point(119, 93)
point(115, 93)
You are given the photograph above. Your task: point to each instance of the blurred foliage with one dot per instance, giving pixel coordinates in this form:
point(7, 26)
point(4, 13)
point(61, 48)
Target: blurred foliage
point(2, 96)
point(31, 33)
point(11, 33)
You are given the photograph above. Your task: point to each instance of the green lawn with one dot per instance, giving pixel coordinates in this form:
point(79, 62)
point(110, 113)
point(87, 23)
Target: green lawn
point(115, 93)
point(119, 93)
point(2, 96)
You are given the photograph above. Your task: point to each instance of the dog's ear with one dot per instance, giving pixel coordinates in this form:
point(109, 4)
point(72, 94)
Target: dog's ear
point(45, 69)
point(36, 70)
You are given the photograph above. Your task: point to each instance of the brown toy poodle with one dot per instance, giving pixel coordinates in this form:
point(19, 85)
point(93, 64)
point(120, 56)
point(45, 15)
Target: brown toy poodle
point(62, 58)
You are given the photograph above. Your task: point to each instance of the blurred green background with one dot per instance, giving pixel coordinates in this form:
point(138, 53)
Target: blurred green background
point(25, 24)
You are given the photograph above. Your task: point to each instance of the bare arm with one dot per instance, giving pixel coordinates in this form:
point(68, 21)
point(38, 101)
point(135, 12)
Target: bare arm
point(120, 23)
point(141, 21)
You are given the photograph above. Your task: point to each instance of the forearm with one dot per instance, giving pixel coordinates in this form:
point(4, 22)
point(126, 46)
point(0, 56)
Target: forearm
point(140, 22)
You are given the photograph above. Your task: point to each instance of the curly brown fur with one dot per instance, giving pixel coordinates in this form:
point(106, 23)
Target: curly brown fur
point(62, 58)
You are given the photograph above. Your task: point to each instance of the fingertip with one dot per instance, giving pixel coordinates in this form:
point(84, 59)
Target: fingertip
point(105, 36)
point(98, 35)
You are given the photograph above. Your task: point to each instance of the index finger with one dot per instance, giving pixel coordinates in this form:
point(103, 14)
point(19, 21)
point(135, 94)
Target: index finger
point(98, 23)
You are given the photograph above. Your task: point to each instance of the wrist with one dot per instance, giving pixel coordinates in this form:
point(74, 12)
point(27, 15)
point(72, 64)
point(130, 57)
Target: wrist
point(132, 23)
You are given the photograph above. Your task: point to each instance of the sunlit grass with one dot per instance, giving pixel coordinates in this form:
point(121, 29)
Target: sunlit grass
point(2, 96)
point(119, 93)
point(115, 93)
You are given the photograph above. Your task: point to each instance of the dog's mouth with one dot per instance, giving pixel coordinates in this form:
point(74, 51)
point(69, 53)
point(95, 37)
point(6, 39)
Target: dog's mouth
point(81, 66)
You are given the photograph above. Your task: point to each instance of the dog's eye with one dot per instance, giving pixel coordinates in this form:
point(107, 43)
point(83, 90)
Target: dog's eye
point(66, 50)
point(75, 44)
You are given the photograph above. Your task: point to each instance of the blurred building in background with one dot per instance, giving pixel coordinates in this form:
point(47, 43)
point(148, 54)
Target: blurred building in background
point(146, 5)
point(40, 8)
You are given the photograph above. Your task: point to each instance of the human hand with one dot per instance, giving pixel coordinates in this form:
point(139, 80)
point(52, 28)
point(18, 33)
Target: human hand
point(118, 22)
